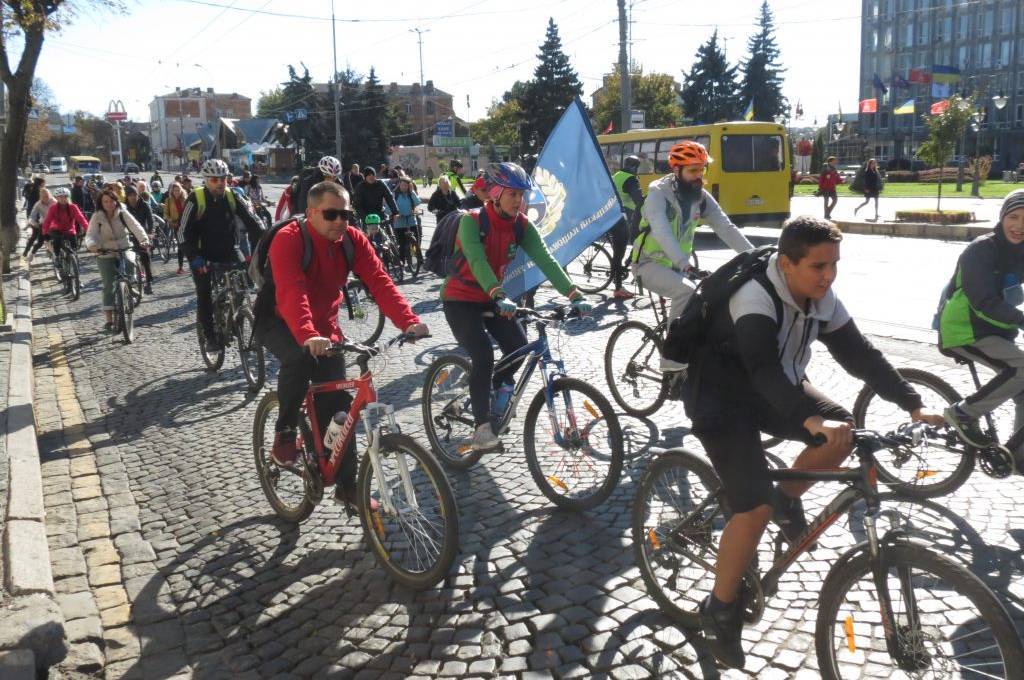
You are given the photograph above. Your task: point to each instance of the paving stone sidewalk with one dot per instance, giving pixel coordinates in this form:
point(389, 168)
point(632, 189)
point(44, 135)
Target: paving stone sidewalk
point(169, 562)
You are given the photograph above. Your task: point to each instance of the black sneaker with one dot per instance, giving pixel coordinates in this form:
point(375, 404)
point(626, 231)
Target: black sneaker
point(966, 426)
point(723, 632)
point(676, 381)
point(788, 513)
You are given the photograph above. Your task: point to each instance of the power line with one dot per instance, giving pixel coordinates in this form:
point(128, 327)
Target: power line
point(360, 20)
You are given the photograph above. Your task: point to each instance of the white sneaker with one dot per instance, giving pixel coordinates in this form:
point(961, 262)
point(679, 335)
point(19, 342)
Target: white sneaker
point(484, 439)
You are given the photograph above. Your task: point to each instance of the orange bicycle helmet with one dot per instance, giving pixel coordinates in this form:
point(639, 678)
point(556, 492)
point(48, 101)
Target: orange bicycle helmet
point(687, 153)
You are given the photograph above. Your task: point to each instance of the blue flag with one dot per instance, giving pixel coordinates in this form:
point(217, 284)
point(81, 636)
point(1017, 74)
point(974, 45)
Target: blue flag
point(879, 85)
point(574, 201)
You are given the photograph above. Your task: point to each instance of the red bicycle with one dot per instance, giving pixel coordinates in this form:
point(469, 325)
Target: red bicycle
point(405, 502)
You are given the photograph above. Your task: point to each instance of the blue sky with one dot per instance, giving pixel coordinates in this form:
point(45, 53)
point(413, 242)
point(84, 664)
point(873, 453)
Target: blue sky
point(476, 48)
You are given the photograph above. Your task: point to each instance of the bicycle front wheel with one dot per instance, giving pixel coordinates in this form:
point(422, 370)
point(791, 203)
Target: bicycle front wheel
point(164, 247)
point(591, 271)
point(125, 310)
point(632, 368)
point(74, 278)
point(948, 623)
point(678, 516)
point(574, 455)
point(924, 471)
point(250, 351)
point(359, 316)
point(414, 532)
point(213, 358)
point(448, 413)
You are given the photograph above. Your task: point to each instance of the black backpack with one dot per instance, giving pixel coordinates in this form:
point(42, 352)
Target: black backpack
point(692, 331)
point(441, 258)
point(259, 265)
point(307, 179)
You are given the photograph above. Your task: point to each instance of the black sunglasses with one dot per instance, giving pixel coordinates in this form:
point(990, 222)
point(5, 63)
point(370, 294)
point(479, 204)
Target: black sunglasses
point(331, 214)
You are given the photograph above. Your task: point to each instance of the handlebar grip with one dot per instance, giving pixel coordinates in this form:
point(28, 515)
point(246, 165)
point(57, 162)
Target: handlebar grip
point(818, 439)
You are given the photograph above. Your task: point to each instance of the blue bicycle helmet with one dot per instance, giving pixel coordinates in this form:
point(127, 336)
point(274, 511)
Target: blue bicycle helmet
point(508, 176)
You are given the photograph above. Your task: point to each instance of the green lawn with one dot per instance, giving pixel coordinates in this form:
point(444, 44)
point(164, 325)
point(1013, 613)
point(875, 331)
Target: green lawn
point(990, 189)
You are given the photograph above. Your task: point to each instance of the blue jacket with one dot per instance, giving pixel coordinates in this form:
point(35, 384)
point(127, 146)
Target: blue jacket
point(407, 203)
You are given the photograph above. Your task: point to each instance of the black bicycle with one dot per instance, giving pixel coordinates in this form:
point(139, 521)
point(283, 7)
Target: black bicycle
point(67, 269)
point(233, 321)
point(886, 605)
point(164, 243)
point(592, 269)
point(124, 300)
point(359, 315)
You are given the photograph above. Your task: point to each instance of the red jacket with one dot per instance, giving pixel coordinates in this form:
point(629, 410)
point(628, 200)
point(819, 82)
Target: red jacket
point(308, 301)
point(63, 218)
point(285, 205)
point(829, 179)
point(500, 249)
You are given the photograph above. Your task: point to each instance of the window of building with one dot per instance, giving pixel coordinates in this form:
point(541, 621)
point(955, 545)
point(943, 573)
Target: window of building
point(887, 37)
point(1005, 47)
point(1006, 17)
point(903, 63)
point(985, 25)
point(908, 35)
point(884, 118)
point(944, 29)
point(408, 108)
point(963, 27)
point(1020, 49)
point(923, 32)
point(983, 55)
point(1020, 84)
point(944, 55)
point(431, 109)
point(1020, 114)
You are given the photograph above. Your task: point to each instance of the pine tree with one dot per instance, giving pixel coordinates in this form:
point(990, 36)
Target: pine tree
point(710, 91)
point(762, 72)
point(313, 132)
point(554, 86)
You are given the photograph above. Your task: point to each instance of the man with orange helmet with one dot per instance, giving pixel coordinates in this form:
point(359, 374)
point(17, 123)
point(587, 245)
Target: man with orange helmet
point(676, 204)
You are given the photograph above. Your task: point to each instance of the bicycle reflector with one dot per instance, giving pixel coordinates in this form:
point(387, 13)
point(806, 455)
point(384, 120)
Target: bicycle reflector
point(441, 378)
point(558, 482)
point(851, 643)
point(590, 408)
point(653, 538)
point(925, 473)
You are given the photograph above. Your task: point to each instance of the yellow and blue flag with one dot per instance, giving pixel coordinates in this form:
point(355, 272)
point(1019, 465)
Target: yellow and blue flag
point(945, 74)
point(748, 113)
point(904, 108)
point(573, 201)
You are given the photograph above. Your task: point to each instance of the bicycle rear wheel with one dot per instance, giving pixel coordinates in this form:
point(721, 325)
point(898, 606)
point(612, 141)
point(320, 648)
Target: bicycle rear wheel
point(632, 368)
point(213, 359)
point(678, 516)
point(74, 277)
point(286, 489)
point(417, 539)
point(414, 260)
point(582, 470)
point(591, 271)
point(447, 412)
point(58, 271)
point(359, 316)
point(923, 471)
point(163, 246)
point(250, 351)
point(948, 622)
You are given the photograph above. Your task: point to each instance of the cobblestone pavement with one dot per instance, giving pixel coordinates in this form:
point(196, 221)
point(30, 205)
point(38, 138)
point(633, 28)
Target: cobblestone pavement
point(170, 563)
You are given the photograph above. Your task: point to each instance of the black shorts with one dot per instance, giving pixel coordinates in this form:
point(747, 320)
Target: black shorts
point(733, 444)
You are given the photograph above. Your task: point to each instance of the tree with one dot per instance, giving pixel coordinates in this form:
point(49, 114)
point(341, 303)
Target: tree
point(501, 126)
point(377, 119)
point(37, 134)
point(316, 132)
point(554, 86)
point(943, 131)
point(271, 104)
point(657, 95)
point(25, 23)
point(762, 73)
point(710, 91)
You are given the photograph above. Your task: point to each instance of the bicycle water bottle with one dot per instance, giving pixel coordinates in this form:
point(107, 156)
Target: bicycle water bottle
point(334, 428)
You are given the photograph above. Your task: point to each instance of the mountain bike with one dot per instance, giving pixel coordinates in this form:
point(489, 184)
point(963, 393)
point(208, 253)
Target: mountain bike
point(386, 246)
point(414, 528)
point(939, 462)
point(67, 269)
point(413, 257)
point(233, 321)
point(574, 455)
point(886, 605)
point(164, 242)
point(124, 300)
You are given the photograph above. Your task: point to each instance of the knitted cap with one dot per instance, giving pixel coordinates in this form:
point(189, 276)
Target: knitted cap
point(1013, 201)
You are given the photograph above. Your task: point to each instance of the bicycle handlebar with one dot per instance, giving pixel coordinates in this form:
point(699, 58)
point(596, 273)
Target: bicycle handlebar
point(561, 313)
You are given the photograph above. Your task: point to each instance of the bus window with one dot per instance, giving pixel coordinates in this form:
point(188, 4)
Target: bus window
point(752, 153)
point(646, 154)
point(665, 145)
point(612, 156)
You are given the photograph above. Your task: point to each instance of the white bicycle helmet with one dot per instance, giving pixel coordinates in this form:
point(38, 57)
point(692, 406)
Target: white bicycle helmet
point(215, 168)
point(61, 192)
point(329, 165)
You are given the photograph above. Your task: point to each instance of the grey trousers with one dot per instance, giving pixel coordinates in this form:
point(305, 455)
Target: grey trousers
point(1007, 360)
point(670, 284)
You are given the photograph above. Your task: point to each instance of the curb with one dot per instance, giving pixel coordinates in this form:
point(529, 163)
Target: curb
point(941, 232)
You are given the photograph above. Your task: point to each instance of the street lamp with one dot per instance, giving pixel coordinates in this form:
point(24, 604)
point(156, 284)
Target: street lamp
point(964, 104)
point(979, 117)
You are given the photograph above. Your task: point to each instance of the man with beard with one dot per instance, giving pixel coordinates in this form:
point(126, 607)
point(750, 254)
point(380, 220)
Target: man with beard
point(676, 205)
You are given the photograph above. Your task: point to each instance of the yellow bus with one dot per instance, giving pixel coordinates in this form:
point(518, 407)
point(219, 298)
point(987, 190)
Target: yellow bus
point(750, 174)
point(83, 165)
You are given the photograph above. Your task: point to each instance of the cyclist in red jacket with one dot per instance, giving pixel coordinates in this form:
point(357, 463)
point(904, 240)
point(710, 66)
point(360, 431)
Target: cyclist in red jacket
point(64, 221)
point(305, 320)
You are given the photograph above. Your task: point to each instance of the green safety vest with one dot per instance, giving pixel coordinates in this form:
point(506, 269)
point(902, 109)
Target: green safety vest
point(619, 178)
point(200, 193)
point(652, 250)
point(453, 182)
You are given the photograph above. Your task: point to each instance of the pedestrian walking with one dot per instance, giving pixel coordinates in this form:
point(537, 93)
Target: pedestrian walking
point(35, 220)
point(828, 180)
point(443, 200)
point(871, 181)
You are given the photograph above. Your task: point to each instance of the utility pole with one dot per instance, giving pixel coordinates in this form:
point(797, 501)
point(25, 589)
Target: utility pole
point(335, 94)
point(423, 96)
point(626, 96)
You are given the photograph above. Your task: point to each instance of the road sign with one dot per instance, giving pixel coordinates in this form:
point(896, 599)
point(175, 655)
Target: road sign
point(444, 128)
point(116, 116)
point(287, 116)
point(301, 114)
point(637, 119)
point(461, 142)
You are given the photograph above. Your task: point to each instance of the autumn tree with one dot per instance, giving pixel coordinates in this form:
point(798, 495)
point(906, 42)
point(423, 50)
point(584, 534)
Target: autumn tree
point(656, 94)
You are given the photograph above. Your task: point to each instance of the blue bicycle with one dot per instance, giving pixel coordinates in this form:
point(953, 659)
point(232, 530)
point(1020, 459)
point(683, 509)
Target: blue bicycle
point(575, 455)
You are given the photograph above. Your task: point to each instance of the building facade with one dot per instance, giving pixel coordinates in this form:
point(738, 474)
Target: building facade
point(175, 119)
point(903, 40)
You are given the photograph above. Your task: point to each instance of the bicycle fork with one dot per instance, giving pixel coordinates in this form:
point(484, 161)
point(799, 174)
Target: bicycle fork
point(379, 418)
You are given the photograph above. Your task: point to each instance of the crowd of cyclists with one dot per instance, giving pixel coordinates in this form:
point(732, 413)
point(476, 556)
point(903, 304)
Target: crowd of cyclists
point(758, 385)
